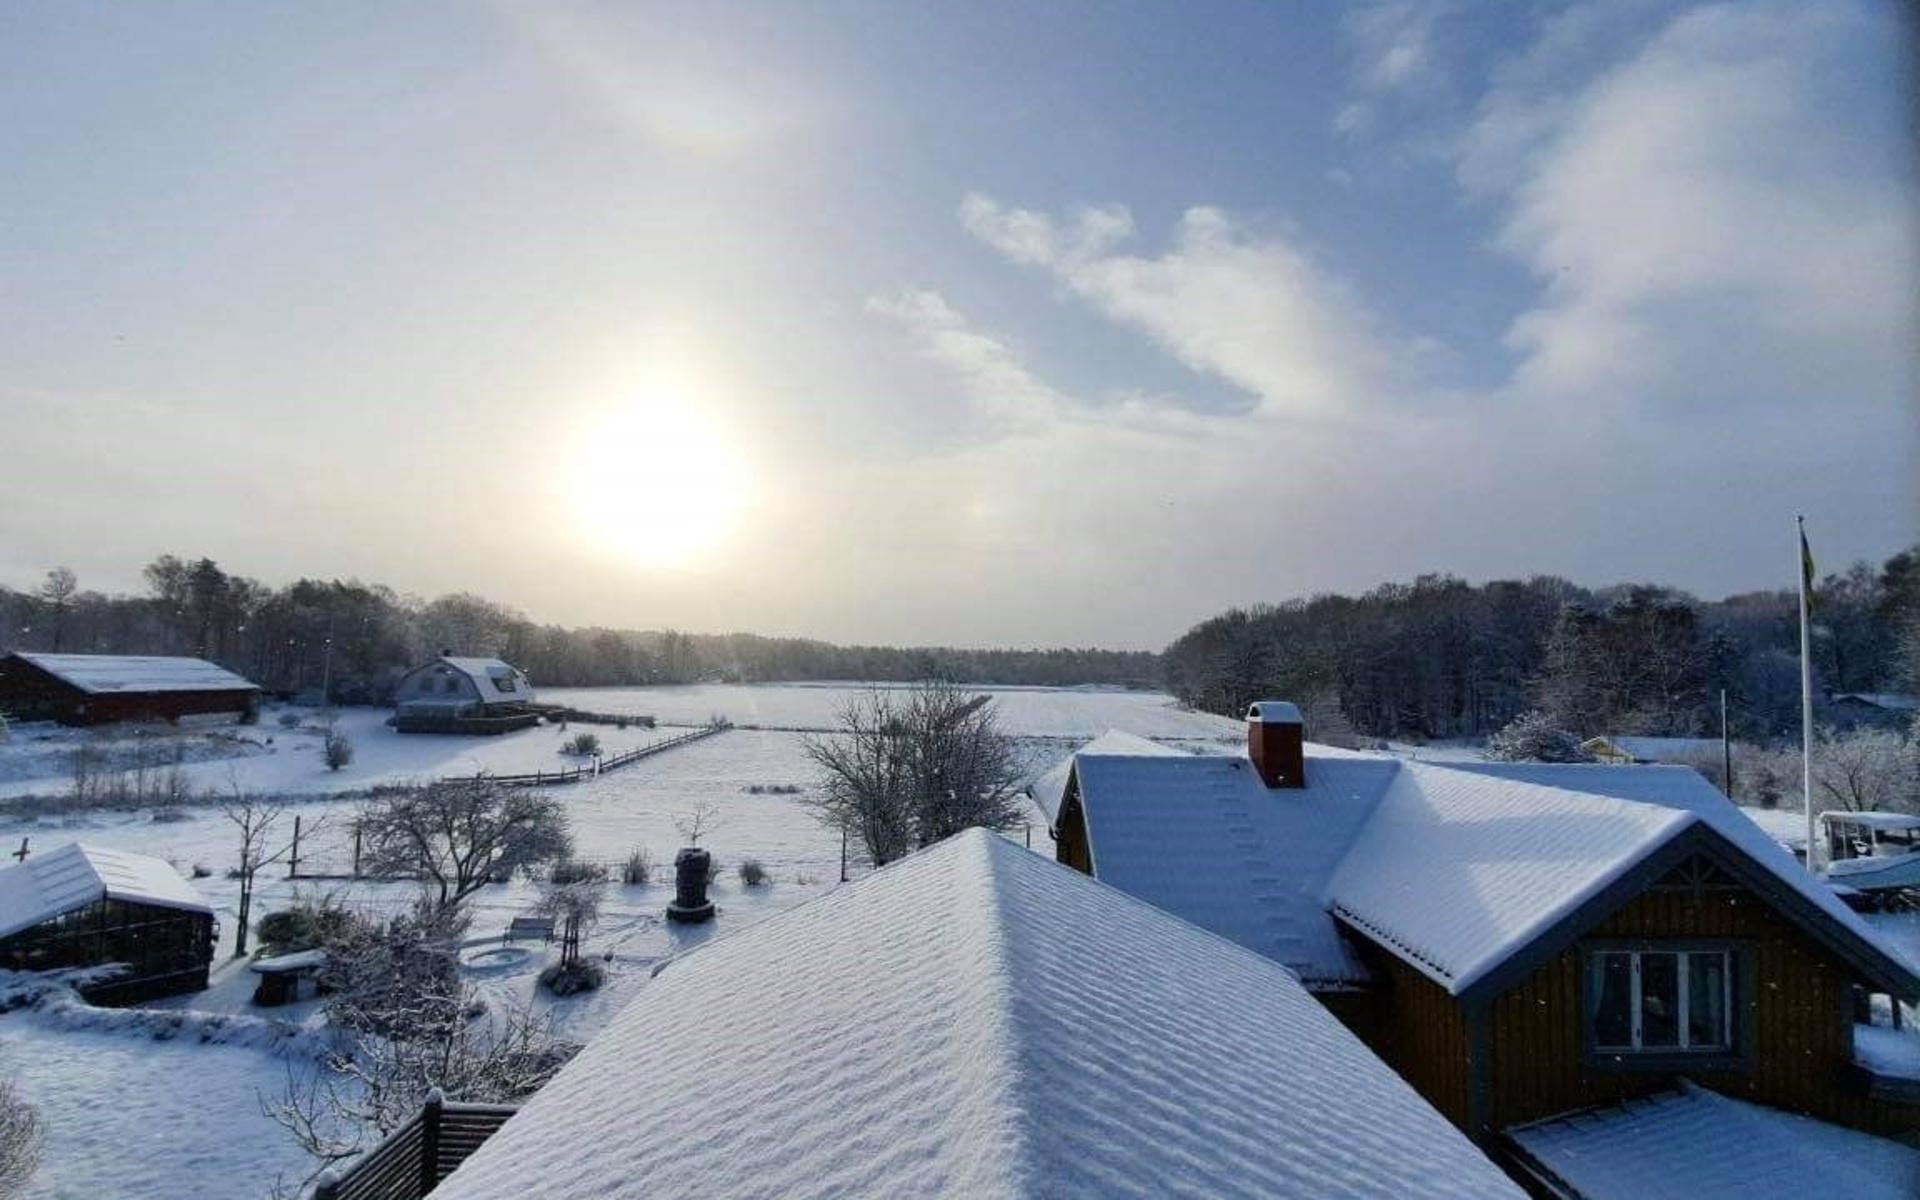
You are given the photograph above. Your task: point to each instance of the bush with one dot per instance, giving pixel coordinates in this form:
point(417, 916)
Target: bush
point(638, 870)
point(585, 745)
point(307, 924)
point(337, 750)
point(1531, 737)
point(201, 871)
point(168, 814)
point(567, 979)
point(753, 872)
point(574, 870)
point(288, 720)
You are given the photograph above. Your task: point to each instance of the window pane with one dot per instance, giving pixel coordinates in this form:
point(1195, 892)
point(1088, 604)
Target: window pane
point(1612, 1001)
point(1707, 1000)
point(1659, 1000)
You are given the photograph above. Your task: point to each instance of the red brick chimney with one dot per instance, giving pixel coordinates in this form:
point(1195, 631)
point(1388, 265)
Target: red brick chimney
point(1276, 739)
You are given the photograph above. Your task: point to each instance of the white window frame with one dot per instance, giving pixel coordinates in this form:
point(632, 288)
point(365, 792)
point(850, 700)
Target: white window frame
point(1634, 999)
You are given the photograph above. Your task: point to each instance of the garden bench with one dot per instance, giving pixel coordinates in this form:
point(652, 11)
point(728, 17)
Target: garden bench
point(530, 927)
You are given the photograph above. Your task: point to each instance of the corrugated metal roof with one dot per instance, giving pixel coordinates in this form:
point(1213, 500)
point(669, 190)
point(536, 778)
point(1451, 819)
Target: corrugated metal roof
point(76, 875)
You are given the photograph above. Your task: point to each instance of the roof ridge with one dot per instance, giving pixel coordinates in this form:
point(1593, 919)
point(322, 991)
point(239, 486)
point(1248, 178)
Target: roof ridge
point(1007, 1072)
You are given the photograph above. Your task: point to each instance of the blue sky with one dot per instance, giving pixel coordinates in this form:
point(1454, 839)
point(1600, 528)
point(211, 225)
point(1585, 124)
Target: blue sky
point(964, 324)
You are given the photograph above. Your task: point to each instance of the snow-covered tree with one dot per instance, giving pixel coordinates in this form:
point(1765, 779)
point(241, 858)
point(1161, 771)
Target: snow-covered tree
point(1532, 737)
point(20, 1137)
point(458, 834)
point(1867, 769)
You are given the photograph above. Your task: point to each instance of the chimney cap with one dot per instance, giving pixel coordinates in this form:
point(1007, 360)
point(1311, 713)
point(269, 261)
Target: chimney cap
point(1274, 712)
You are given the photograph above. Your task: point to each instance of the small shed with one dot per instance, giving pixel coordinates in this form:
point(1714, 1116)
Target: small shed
point(94, 689)
point(456, 694)
point(88, 906)
point(1680, 751)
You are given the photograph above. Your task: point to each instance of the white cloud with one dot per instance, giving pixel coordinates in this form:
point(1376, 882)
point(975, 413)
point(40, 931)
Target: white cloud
point(1393, 57)
point(993, 378)
point(1251, 309)
point(1699, 220)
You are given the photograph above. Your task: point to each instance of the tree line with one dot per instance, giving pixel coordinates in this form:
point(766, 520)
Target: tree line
point(1442, 658)
point(362, 637)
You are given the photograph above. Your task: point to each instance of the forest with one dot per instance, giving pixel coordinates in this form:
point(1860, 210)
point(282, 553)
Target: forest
point(361, 637)
point(1443, 658)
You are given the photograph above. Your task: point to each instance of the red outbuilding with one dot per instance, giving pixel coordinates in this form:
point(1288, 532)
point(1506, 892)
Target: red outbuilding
point(93, 689)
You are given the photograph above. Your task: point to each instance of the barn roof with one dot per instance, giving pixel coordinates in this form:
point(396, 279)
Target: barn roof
point(1695, 1144)
point(1455, 867)
point(98, 674)
point(486, 674)
point(76, 875)
point(1659, 749)
point(974, 1020)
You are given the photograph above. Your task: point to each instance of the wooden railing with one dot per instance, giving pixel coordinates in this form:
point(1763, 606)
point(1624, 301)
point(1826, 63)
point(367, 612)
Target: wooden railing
point(412, 1160)
point(576, 774)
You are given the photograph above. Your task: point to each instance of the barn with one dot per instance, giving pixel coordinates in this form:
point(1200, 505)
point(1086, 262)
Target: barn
point(87, 906)
point(94, 689)
point(455, 694)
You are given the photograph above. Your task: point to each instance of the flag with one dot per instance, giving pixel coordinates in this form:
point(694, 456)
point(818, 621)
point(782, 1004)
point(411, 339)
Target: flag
point(1807, 571)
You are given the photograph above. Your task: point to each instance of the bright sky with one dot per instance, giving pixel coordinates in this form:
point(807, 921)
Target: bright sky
point(999, 324)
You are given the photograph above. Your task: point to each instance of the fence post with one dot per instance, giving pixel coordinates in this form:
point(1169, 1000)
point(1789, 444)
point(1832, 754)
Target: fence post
point(293, 855)
point(327, 1187)
point(430, 1114)
point(843, 856)
point(356, 849)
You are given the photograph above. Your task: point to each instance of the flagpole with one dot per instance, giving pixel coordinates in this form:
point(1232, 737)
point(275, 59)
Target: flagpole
point(1806, 696)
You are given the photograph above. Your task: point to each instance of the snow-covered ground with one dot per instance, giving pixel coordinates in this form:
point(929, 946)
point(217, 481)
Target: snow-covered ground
point(205, 1097)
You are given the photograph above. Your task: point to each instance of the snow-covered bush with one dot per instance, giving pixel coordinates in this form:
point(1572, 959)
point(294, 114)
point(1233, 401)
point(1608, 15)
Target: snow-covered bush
point(572, 978)
point(573, 870)
point(582, 745)
point(337, 750)
point(638, 869)
point(753, 872)
point(288, 720)
point(1531, 737)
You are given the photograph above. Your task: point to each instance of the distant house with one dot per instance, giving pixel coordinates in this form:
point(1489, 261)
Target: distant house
point(1519, 941)
point(1872, 708)
point(1686, 752)
point(93, 689)
point(86, 906)
point(974, 1021)
point(453, 694)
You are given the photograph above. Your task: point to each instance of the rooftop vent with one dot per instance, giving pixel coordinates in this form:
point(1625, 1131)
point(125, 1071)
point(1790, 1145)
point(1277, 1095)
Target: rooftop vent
point(1276, 742)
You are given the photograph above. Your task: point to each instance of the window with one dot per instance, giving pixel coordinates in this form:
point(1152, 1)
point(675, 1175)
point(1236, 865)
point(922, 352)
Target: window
point(1660, 1001)
point(504, 682)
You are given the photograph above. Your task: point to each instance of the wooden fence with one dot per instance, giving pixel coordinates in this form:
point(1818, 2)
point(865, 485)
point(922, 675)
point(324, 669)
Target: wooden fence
point(588, 771)
point(412, 1160)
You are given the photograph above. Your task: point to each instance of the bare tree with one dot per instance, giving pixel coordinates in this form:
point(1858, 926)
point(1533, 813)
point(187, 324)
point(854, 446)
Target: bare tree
point(909, 768)
point(576, 905)
point(56, 596)
point(457, 835)
point(260, 846)
point(1867, 769)
point(20, 1137)
point(703, 818)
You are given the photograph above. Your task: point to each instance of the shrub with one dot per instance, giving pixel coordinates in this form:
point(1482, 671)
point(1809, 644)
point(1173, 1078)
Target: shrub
point(337, 750)
point(753, 872)
point(289, 929)
point(582, 744)
point(574, 870)
point(201, 871)
point(567, 979)
point(168, 814)
point(288, 720)
point(1532, 737)
point(638, 870)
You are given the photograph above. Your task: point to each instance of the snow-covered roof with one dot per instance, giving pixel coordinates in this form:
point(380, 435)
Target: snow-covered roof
point(1051, 788)
point(1453, 866)
point(1205, 839)
point(1894, 1053)
point(75, 875)
point(1275, 712)
point(1886, 700)
point(1464, 864)
point(487, 674)
point(138, 673)
point(1892, 822)
point(1660, 749)
point(974, 1021)
point(1695, 1144)
point(1878, 872)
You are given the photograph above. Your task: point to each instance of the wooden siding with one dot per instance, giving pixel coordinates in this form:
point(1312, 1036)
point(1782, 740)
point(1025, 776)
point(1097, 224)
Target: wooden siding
point(28, 693)
point(1798, 1020)
point(1416, 1028)
point(1070, 834)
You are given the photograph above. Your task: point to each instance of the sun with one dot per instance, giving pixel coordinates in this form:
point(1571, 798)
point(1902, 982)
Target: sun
point(656, 483)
